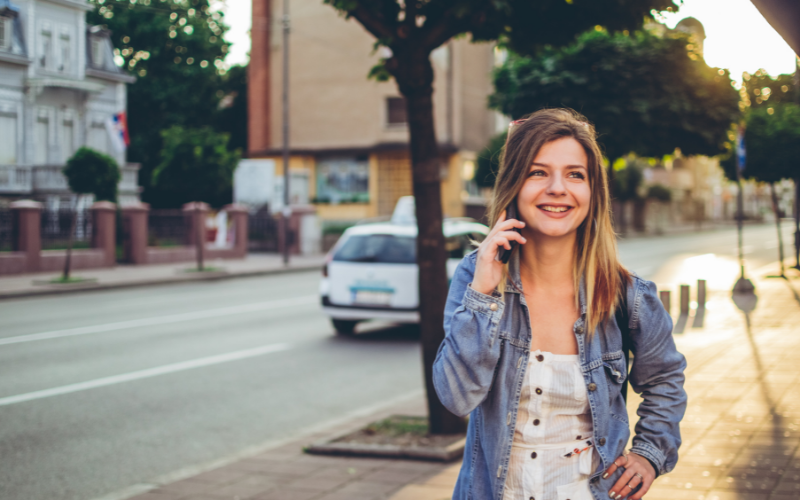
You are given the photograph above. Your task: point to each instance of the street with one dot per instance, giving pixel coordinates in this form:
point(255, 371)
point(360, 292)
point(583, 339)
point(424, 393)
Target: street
point(103, 391)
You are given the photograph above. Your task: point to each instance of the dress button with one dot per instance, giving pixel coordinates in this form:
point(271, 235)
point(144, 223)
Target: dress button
point(536, 422)
point(533, 455)
point(592, 386)
point(531, 498)
point(539, 357)
point(602, 441)
point(578, 437)
point(538, 391)
point(493, 306)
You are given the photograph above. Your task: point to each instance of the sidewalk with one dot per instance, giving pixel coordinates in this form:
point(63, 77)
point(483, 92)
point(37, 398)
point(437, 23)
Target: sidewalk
point(741, 432)
point(126, 276)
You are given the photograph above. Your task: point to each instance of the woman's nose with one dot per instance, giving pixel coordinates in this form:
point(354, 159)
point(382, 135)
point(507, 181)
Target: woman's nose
point(556, 186)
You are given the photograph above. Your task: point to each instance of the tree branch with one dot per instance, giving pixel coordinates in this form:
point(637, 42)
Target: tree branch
point(372, 23)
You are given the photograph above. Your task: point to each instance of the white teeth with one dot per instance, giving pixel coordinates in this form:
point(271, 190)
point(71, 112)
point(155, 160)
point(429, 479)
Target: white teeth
point(554, 209)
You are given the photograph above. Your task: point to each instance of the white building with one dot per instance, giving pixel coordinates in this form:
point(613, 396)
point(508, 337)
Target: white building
point(59, 87)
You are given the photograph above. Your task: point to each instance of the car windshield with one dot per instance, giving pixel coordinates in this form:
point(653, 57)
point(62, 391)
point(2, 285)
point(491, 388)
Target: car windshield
point(379, 248)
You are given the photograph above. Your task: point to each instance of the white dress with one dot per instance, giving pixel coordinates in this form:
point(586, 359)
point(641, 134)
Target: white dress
point(552, 455)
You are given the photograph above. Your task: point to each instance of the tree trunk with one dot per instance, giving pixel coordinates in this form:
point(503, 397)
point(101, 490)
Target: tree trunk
point(777, 224)
point(68, 259)
point(200, 237)
point(797, 222)
point(415, 82)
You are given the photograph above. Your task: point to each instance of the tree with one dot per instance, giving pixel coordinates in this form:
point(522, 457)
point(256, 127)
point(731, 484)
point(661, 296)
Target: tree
point(644, 93)
point(196, 165)
point(176, 50)
point(411, 30)
point(89, 172)
point(489, 161)
point(772, 139)
point(625, 185)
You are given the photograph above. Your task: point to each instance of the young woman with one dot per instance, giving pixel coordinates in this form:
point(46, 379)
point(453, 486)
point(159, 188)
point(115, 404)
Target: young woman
point(533, 352)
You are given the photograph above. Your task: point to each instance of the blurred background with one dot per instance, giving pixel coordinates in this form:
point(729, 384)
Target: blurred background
point(151, 151)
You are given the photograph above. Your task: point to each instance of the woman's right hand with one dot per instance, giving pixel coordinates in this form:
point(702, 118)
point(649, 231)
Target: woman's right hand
point(489, 270)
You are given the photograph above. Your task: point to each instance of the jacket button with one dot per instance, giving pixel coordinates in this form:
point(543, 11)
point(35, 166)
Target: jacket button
point(493, 306)
point(579, 329)
point(592, 386)
point(602, 441)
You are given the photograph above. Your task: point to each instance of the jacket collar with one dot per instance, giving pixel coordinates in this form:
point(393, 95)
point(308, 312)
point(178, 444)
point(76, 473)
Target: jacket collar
point(514, 282)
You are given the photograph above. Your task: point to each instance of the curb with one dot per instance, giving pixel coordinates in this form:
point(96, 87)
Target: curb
point(445, 454)
point(94, 287)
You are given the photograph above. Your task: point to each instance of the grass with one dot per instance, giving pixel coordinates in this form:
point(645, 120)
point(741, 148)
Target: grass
point(72, 279)
point(398, 425)
point(206, 269)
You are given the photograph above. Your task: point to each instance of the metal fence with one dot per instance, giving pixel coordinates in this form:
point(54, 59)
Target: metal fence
point(56, 224)
point(167, 228)
point(262, 232)
point(7, 233)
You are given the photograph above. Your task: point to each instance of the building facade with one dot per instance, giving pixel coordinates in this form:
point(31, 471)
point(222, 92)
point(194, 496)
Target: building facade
point(59, 89)
point(348, 134)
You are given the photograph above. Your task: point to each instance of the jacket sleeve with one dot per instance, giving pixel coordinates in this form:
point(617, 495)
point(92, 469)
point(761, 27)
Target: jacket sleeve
point(465, 363)
point(657, 375)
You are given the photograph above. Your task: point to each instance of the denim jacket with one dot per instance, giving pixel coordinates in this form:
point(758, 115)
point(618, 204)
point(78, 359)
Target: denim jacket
point(480, 370)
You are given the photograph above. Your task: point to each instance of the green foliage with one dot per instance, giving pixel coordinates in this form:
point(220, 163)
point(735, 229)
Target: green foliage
point(175, 49)
point(488, 163)
point(659, 192)
point(196, 165)
point(772, 140)
point(231, 117)
point(645, 94)
point(625, 183)
point(91, 172)
point(760, 89)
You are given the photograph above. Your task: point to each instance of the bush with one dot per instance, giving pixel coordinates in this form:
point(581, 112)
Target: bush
point(91, 172)
point(659, 192)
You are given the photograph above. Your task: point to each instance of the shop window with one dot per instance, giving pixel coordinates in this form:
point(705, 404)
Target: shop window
point(342, 180)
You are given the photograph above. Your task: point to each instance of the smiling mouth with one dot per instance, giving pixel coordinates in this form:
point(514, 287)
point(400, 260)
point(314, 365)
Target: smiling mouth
point(555, 209)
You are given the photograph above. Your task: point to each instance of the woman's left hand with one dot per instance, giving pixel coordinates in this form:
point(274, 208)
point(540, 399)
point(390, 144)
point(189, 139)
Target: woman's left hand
point(638, 474)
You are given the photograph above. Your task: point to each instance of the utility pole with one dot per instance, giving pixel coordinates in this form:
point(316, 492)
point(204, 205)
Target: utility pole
point(743, 285)
point(287, 211)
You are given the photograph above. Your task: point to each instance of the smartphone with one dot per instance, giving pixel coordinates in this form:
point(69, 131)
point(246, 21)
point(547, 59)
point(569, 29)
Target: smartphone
point(511, 213)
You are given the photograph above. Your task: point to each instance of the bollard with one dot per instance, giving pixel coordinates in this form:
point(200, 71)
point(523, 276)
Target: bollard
point(684, 299)
point(701, 294)
point(664, 296)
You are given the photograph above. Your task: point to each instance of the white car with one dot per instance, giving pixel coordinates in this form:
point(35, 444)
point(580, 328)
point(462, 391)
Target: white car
point(371, 272)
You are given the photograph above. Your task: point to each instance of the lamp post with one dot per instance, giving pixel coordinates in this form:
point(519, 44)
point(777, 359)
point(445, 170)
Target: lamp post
point(287, 211)
point(743, 285)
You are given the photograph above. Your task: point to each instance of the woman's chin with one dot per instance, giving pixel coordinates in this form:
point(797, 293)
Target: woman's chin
point(554, 231)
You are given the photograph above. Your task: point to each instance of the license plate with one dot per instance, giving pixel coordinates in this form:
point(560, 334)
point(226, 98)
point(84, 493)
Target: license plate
point(372, 298)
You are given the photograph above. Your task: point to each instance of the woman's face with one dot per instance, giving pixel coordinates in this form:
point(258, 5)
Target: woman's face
point(555, 198)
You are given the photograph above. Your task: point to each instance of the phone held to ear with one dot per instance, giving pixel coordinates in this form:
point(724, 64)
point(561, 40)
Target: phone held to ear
point(502, 254)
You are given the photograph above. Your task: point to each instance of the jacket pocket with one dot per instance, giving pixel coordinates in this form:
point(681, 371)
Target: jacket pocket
point(616, 371)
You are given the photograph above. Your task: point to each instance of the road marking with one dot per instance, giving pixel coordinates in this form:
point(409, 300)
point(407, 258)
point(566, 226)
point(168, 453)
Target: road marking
point(160, 320)
point(147, 373)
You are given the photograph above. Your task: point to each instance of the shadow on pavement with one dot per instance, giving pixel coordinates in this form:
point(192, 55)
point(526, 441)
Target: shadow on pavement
point(379, 332)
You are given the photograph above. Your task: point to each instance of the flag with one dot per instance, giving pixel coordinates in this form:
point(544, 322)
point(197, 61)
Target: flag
point(117, 128)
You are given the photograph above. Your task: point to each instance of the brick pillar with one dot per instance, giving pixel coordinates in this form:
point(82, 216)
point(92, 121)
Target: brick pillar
point(134, 221)
point(104, 236)
point(28, 223)
point(258, 77)
point(238, 213)
point(196, 213)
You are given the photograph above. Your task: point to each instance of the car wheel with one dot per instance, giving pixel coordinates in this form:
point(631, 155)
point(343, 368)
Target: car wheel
point(344, 326)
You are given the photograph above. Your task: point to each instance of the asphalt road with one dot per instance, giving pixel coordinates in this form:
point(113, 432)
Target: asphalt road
point(102, 391)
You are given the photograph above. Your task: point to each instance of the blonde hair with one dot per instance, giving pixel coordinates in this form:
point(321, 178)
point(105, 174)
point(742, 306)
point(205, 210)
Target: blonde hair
point(596, 247)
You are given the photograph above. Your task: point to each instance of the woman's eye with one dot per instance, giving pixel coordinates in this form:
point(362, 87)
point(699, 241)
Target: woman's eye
point(536, 173)
point(577, 175)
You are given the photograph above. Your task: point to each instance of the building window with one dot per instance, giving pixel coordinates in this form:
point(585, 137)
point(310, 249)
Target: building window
point(46, 49)
point(42, 140)
point(343, 180)
point(98, 137)
point(396, 111)
point(67, 138)
point(6, 32)
point(65, 53)
point(97, 52)
point(8, 138)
